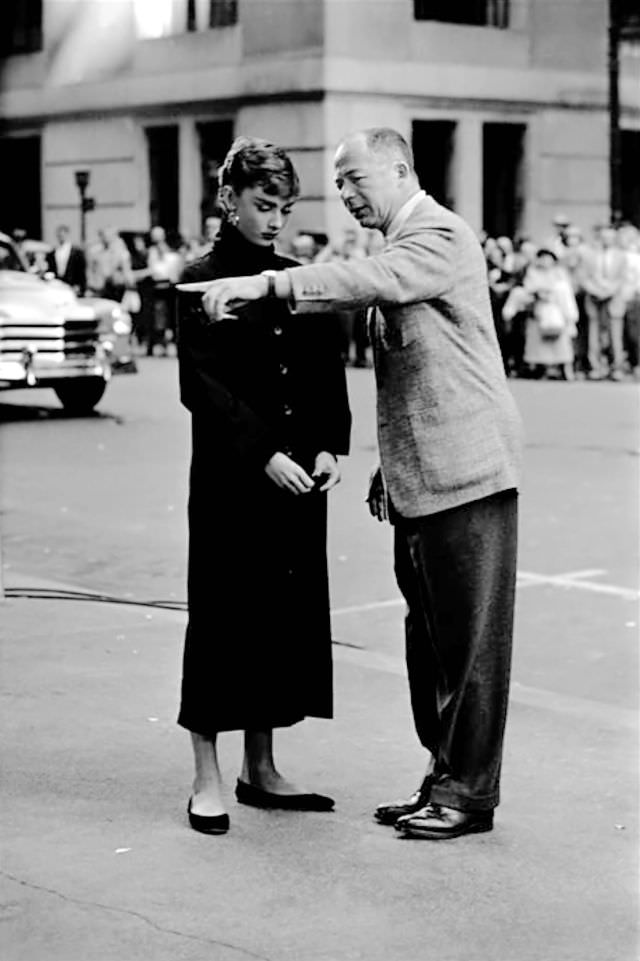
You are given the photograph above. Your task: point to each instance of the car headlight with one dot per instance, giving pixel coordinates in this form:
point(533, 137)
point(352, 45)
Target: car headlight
point(121, 326)
point(120, 321)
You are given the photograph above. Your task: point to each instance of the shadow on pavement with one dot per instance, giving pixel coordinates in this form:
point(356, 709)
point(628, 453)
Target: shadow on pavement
point(25, 413)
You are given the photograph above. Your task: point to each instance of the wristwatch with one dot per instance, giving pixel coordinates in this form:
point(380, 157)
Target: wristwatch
point(271, 280)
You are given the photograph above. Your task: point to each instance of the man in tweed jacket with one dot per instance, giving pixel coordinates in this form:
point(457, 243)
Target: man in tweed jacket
point(450, 446)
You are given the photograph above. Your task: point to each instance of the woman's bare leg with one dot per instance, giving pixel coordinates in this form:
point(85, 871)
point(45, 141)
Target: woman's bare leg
point(207, 785)
point(258, 767)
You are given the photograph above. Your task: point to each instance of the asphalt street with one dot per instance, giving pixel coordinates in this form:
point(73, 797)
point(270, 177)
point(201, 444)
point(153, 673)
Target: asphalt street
point(98, 862)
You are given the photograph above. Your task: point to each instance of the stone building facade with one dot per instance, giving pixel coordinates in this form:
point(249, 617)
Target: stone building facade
point(506, 107)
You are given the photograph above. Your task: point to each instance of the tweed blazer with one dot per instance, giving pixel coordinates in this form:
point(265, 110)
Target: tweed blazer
point(448, 429)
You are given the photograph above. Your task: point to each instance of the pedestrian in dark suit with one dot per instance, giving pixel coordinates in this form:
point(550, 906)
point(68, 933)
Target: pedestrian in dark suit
point(67, 261)
point(269, 413)
point(450, 446)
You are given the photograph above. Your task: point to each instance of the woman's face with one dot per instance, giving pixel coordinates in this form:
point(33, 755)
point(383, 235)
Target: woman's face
point(545, 261)
point(261, 216)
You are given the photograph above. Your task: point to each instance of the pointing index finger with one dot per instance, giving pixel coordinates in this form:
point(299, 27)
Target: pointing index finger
point(196, 287)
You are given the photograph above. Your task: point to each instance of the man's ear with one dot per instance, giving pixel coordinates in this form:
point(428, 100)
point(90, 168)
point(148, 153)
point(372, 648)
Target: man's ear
point(402, 169)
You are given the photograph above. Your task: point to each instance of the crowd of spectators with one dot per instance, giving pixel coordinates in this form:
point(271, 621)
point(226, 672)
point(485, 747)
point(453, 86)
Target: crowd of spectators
point(569, 307)
point(564, 308)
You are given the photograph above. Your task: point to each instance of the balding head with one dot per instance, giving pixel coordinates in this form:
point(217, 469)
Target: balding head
point(375, 175)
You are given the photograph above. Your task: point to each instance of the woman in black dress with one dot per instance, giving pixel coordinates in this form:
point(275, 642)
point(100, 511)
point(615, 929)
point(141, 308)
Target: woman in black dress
point(269, 415)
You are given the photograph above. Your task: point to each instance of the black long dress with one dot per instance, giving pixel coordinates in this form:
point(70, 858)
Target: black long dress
point(258, 643)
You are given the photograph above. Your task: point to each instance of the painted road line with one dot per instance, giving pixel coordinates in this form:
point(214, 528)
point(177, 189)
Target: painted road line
point(561, 703)
point(573, 580)
point(576, 581)
point(362, 608)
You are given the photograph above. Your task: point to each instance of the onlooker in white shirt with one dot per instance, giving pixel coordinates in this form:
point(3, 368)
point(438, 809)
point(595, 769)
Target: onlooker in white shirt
point(603, 275)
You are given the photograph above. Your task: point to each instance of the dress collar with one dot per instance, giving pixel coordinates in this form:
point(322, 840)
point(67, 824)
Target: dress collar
point(240, 254)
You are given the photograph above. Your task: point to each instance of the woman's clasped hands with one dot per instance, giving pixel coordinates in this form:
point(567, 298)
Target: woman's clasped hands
point(289, 475)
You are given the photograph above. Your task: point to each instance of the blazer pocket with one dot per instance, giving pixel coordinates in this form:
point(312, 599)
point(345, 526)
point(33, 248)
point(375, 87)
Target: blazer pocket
point(461, 453)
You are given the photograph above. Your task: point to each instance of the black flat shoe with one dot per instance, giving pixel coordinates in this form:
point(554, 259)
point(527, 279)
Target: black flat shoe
point(435, 822)
point(218, 824)
point(389, 813)
point(258, 798)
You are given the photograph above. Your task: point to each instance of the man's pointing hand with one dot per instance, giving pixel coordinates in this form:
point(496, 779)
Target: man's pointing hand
point(222, 296)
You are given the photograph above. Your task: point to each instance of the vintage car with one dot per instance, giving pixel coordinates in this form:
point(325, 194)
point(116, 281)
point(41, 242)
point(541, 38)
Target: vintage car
point(50, 337)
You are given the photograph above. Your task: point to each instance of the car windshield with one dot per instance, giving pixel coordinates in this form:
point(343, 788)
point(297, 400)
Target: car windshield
point(9, 259)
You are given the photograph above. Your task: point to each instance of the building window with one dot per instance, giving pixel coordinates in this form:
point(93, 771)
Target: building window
point(215, 137)
point(478, 13)
point(165, 18)
point(208, 14)
point(20, 166)
point(629, 19)
point(20, 27)
point(630, 185)
point(154, 18)
point(432, 142)
point(164, 159)
point(223, 13)
point(503, 154)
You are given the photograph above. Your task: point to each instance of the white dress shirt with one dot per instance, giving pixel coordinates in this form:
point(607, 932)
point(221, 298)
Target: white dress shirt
point(62, 254)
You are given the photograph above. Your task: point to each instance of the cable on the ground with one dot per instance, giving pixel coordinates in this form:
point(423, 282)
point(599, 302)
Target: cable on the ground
point(46, 593)
point(55, 594)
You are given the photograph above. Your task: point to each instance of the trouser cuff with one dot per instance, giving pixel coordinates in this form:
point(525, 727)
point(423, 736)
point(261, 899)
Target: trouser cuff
point(451, 798)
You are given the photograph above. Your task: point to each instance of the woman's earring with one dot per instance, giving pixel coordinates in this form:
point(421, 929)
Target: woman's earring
point(234, 218)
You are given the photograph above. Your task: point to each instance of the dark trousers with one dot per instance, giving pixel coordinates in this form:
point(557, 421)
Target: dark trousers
point(457, 572)
point(632, 332)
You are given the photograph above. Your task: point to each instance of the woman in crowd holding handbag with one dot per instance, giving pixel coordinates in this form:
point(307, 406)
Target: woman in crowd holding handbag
point(546, 297)
point(270, 413)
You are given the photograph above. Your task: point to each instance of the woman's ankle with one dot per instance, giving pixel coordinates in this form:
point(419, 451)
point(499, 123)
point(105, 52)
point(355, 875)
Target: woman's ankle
point(207, 786)
point(258, 772)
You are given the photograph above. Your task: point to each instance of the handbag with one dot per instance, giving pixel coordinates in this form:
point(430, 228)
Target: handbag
point(131, 302)
point(550, 319)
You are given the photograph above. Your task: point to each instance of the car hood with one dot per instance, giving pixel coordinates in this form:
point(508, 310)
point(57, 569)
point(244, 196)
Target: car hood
point(27, 297)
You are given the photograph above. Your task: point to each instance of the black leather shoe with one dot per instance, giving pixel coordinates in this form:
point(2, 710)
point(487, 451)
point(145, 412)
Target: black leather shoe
point(257, 797)
point(435, 822)
point(218, 824)
point(389, 813)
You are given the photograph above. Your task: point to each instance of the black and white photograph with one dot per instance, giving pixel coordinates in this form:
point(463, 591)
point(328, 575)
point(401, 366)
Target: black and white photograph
point(319, 480)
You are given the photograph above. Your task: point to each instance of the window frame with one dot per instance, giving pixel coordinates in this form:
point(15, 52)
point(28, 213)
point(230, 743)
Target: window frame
point(469, 13)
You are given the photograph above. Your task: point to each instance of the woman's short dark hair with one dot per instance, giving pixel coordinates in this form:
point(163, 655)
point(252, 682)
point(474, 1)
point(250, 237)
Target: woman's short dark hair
point(252, 162)
point(542, 251)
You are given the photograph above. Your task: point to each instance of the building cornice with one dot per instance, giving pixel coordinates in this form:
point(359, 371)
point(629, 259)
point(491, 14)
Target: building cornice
point(452, 83)
point(225, 87)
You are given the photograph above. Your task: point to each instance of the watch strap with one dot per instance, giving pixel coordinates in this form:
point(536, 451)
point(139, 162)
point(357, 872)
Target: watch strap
point(271, 282)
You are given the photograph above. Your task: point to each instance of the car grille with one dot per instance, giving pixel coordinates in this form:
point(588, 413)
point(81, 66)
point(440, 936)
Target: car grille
point(72, 339)
point(80, 337)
